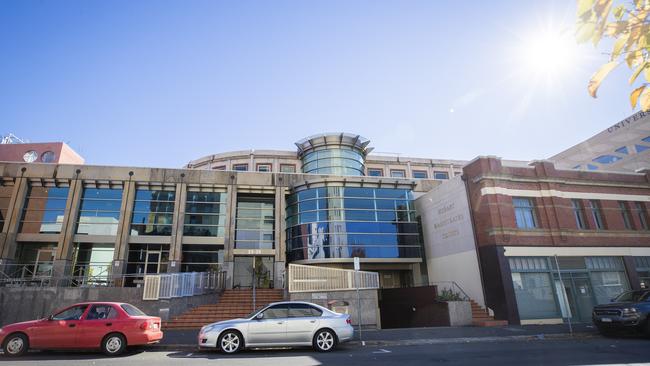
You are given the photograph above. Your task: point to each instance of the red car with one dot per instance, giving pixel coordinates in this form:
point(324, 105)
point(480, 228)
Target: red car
point(110, 326)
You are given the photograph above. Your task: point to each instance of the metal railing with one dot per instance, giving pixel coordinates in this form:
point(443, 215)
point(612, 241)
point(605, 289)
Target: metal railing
point(26, 274)
point(170, 285)
point(449, 291)
point(314, 279)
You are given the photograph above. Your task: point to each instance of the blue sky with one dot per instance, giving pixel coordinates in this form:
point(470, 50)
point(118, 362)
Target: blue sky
point(159, 83)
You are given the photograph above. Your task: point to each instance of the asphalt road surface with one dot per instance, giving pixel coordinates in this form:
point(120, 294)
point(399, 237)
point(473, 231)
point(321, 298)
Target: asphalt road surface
point(589, 351)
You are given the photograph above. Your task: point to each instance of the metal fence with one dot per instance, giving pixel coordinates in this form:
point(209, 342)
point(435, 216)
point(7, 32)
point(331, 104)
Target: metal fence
point(167, 286)
point(314, 279)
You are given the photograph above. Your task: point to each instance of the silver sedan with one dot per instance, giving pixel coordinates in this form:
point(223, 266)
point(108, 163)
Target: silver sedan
point(281, 324)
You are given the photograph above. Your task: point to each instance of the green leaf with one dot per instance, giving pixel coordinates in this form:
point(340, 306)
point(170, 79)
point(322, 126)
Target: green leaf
point(638, 70)
point(634, 96)
point(597, 78)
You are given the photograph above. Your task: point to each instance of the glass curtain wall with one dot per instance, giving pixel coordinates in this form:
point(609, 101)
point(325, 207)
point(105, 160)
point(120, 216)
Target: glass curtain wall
point(44, 210)
point(92, 263)
point(205, 214)
point(643, 270)
point(339, 161)
point(255, 225)
point(99, 211)
point(346, 222)
point(153, 212)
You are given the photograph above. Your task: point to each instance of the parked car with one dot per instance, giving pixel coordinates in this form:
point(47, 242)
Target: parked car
point(628, 311)
point(281, 324)
point(108, 326)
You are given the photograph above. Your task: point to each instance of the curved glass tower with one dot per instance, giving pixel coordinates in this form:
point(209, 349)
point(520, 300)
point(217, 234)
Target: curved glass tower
point(340, 154)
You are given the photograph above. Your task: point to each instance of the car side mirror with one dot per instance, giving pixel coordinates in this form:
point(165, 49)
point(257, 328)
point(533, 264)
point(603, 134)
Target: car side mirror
point(259, 316)
point(49, 318)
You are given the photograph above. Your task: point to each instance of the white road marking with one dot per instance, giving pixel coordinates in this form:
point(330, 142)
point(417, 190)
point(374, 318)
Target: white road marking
point(381, 350)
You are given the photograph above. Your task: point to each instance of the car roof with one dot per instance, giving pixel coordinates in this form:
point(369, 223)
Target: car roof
point(296, 302)
point(99, 303)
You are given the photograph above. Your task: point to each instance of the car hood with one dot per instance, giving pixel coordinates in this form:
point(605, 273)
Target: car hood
point(229, 322)
point(23, 325)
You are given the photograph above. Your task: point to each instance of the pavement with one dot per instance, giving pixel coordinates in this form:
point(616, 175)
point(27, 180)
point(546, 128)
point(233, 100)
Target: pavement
point(186, 339)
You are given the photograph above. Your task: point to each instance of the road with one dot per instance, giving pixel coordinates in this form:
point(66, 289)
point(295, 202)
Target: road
point(589, 351)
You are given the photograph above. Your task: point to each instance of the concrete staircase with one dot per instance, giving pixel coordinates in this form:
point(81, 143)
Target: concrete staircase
point(481, 317)
point(232, 304)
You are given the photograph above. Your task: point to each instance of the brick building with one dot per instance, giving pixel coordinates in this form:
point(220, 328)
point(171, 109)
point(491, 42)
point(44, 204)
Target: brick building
point(552, 243)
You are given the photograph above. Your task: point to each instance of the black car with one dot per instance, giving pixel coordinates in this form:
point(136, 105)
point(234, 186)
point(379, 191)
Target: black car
point(628, 311)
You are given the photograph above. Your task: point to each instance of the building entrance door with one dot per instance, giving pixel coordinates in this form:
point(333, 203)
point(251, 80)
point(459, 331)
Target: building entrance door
point(578, 294)
point(251, 271)
point(152, 262)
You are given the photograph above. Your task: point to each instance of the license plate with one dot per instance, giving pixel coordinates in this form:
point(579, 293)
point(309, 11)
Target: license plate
point(155, 325)
point(606, 320)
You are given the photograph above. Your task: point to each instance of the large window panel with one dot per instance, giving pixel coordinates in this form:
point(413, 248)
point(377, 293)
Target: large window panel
point(44, 210)
point(534, 294)
point(205, 214)
point(99, 211)
point(153, 212)
point(255, 222)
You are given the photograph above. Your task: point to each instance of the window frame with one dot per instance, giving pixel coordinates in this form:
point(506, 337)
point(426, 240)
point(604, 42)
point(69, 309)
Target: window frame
point(234, 167)
point(436, 172)
point(426, 174)
point(293, 168)
point(268, 165)
point(578, 214)
point(218, 167)
point(531, 208)
point(392, 171)
point(625, 215)
point(642, 215)
point(380, 170)
point(597, 215)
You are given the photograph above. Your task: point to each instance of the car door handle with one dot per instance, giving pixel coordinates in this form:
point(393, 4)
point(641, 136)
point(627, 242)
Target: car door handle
point(280, 322)
point(72, 325)
point(109, 324)
point(312, 321)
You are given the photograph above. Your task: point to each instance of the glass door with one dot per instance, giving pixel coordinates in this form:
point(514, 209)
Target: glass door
point(253, 270)
point(575, 292)
point(152, 262)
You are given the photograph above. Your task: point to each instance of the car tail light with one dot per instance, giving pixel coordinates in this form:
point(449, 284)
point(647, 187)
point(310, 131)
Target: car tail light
point(145, 325)
point(348, 320)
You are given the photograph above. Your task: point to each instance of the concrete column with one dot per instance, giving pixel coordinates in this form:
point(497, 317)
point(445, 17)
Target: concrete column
point(632, 275)
point(121, 252)
point(176, 245)
point(229, 233)
point(280, 238)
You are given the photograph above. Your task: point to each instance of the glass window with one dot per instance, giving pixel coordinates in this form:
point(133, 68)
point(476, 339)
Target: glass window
point(146, 259)
point(641, 148)
point(420, 174)
point(202, 258)
point(287, 168)
point(596, 214)
point(73, 313)
point(276, 312)
point(578, 214)
point(48, 157)
point(524, 213)
point(266, 168)
point(534, 294)
point(240, 167)
point(205, 214)
point(153, 212)
point(608, 285)
point(646, 139)
point(99, 212)
point(373, 172)
point(303, 311)
point(219, 167)
point(607, 159)
point(622, 150)
point(398, 173)
point(440, 175)
point(92, 263)
point(641, 215)
point(625, 214)
point(44, 210)
point(132, 310)
point(591, 167)
point(101, 312)
point(255, 222)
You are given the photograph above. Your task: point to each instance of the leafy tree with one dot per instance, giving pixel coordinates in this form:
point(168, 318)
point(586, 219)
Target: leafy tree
point(627, 24)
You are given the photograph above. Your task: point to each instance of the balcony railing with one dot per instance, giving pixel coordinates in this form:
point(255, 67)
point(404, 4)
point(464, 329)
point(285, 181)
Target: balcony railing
point(315, 279)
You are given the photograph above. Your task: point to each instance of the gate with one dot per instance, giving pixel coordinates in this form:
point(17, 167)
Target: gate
point(411, 307)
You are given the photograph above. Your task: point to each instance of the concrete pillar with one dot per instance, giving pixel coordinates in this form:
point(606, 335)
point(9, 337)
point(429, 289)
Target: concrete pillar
point(280, 238)
point(176, 244)
point(229, 233)
point(121, 251)
point(632, 275)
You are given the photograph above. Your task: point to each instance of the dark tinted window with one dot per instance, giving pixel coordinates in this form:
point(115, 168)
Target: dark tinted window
point(73, 313)
point(303, 310)
point(633, 296)
point(99, 312)
point(132, 310)
point(276, 312)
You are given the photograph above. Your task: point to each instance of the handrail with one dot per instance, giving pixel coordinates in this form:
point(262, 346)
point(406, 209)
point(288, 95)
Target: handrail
point(452, 286)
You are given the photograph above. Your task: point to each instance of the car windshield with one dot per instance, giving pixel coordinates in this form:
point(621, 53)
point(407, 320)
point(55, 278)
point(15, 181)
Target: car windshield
point(253, 313)
point(632, 296)
point(132, 310)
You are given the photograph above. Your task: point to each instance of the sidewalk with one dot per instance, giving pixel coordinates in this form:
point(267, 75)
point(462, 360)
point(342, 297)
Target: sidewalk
point(177, 339)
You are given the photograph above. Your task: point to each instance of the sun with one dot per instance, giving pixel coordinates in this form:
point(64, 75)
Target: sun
point(548, 53)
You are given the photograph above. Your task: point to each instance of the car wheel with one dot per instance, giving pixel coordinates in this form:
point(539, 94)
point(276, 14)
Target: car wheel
point(113, 344)
point(230, 342)
point(324, 340)
point(15, 345)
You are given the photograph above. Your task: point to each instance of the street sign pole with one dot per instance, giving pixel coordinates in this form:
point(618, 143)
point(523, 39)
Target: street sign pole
point(357, 267)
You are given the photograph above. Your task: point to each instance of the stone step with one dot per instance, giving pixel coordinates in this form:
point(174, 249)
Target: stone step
point(489, 323)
